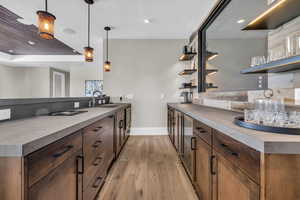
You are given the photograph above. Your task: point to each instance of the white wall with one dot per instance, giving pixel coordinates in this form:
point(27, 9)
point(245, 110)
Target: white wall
point(27, 82)
point(146, 69)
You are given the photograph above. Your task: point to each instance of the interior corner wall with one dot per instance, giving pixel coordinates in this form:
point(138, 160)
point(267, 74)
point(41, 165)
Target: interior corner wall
point(145, 69)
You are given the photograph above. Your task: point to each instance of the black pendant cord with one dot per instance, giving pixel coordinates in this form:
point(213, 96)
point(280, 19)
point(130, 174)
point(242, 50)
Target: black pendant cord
point(106, 45)
point(89, 24)
point(46, 5)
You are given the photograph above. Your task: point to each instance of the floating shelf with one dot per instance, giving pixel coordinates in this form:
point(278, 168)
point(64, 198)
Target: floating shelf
point(283, 65)
point(278, 14)
point(187, 56)
point(191, 87)
point(211, 87)
point(211, 55)
point(211, 71)
point(187, 72)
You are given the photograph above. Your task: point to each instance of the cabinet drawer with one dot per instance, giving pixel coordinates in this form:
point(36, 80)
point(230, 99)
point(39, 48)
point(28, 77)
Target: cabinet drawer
point(93, 141)
point(94, 186)
point(92, 166)
point(244, 157)
point(40, 163)
point(203, 131)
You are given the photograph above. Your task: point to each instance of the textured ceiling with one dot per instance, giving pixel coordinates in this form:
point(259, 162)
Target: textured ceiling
point(15, 37)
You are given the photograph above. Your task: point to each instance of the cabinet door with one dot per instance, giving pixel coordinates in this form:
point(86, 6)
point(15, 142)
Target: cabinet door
point(230, 183)
point(64, 182)
point(203, 176)
point(128, 122)
point(108, 140)
point(117, 139)
point(177, 130)
point(169, 122)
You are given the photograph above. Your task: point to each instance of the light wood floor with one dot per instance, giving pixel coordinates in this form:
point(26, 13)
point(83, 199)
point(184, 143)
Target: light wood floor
point(148, 169)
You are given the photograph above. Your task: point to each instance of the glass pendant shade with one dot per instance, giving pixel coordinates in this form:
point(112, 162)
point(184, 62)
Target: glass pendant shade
point(46, 25)
point(89, 54)
point(107, 66)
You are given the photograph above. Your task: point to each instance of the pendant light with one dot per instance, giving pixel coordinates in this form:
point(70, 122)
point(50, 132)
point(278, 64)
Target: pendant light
point(107, 64)
point(46, 23)
point(89, 51)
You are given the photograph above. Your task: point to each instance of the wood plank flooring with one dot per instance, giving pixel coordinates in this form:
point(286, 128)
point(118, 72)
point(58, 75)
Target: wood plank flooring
point(148, 169)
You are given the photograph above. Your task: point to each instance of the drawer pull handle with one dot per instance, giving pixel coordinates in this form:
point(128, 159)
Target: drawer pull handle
point(97, 143)
point(193, 144)
point(97, 182)
point(97, 129)
point(229, 150)
point(82, 164)
point(201, 130)
point(65, 150)
point(97, 161)
point(212, 158)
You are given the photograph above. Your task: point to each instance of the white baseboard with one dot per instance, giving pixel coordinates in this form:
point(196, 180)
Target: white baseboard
point(149, 131)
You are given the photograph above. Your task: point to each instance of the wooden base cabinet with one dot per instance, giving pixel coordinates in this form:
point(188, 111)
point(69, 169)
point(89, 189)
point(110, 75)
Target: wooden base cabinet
point(171, 124)
point(226, 169)
point(62, 183)
point(72, 168)
point(120, 131)
point(229, 182)
point(220, 169)
point(127, 121)
point(203, 177)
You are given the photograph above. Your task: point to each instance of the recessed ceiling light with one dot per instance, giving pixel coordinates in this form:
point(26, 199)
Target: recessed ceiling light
point(241, 21)
point(10, 51)
point(69, 31)
point(147, 21)
point(31, 42)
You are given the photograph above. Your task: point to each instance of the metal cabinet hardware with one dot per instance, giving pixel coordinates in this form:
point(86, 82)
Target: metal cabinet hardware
point(82, 164)
point(212, 158)
point(65, 150)
point(227, 149)
point(97, 182)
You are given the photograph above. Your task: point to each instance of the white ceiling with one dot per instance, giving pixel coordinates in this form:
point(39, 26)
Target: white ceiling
point(169, 18)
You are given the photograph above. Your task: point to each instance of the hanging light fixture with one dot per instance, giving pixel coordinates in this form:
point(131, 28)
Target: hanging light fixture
point(46, 23)
point(107, 64)
point(89, 51)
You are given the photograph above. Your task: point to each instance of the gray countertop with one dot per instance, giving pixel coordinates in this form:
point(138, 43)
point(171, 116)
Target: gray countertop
point(222, 121)
point(22, 137)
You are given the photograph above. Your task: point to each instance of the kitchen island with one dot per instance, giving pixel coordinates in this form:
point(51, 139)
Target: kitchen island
point(61, 157)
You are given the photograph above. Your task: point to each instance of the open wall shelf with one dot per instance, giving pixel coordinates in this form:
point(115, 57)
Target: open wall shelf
point(279, 13)
point(211, 71)
point(191, 87)
point(211, 55)
point(187, 56)
point(187, 72)
point(283, 65)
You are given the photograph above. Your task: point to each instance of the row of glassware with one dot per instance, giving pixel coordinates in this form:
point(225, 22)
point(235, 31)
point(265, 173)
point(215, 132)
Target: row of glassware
point(272, 113)
point(291, 48)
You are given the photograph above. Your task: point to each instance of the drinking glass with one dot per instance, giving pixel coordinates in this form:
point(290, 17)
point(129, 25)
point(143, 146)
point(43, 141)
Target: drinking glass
point(248, 115)
point(281, 119)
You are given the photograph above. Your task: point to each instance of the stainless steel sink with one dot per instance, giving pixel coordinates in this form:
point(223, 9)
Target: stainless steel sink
point(68, 113)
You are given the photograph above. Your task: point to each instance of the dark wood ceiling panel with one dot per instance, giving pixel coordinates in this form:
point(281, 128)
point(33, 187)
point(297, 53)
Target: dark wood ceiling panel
point(15, 36)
